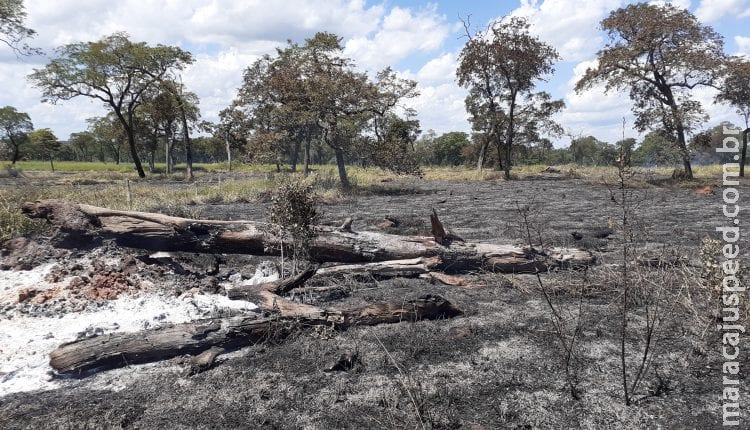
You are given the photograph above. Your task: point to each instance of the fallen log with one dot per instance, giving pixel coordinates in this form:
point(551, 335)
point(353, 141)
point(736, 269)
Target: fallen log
point(385, 269)
point(381, 269)
point(120, 349)
point(166, 233)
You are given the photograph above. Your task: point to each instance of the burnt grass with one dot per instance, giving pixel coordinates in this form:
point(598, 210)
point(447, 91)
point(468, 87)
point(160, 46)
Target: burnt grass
point(500, 365)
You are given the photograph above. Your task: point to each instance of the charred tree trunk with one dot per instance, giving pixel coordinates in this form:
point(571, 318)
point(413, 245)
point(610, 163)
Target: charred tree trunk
point(482, 154)
point(343, 177)
point(744, 152)
point(306, 152)
point(16, 149)
point(121, 349)
point(128, 125)
point(229, 151)
point(187, 142)
point(295, 155)
point(165, 233)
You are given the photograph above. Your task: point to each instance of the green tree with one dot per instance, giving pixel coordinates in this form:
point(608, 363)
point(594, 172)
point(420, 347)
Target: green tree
point(393, 146)
point(736, 91)
point(113, 70)
point(312, 90)
point(659, 53)
point(46, 144)
point(209, 149)
point(109, 135)
point(231, 129)
point(15, 127)
point(184, 106)
point(13, 32)
point(501, 68)
point(586, 150)
point(625, 149)
point(343, 99)
point(657, 147)
point(449, 148)
point(83, 144)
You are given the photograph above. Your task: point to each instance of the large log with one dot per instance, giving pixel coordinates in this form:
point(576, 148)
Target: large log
point(120, 349)
point(166, 233)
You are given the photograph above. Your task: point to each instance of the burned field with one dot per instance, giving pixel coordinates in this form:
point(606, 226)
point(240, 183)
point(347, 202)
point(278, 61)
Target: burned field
point(524, 351)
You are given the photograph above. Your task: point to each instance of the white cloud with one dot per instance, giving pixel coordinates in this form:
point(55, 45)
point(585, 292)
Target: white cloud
point(716, 112)
point(441, 108)
point(215, 79)
point(402, 32)
point(225, 37)
point(743, 45)
point(439, 69)
point(199, 21)
point(714, 10)
point(234, 22)
point(570, 26)
point(594, 112)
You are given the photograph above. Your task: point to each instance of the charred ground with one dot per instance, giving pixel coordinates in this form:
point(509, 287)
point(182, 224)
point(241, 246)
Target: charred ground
point(498, 366)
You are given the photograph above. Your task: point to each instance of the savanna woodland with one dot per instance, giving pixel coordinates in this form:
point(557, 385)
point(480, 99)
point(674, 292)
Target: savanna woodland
point(358, 215)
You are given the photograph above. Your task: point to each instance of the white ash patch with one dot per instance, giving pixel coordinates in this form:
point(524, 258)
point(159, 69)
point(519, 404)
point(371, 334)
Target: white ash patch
point(12, 281)
point(264, 273)
point(27, 338)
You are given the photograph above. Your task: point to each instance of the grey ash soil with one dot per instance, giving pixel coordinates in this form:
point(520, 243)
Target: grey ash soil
point(497, 366)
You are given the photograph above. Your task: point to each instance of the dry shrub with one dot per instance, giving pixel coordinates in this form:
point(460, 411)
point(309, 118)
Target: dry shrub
point(294, 210)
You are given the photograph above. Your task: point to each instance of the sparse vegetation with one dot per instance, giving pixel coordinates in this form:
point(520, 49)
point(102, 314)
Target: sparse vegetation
point(294, 210)
point(572, 282)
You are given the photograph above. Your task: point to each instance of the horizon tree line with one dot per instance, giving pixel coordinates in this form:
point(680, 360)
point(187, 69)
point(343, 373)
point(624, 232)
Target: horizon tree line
point(309, 102)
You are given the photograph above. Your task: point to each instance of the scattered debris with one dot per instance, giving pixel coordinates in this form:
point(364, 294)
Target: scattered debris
point(345, 362)
point(205, 360)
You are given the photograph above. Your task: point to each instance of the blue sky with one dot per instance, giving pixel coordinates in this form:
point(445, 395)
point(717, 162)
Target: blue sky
point(421, 40)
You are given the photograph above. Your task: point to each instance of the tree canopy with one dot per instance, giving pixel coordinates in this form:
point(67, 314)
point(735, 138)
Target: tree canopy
point(115, 71)
point(311, 91)
point(13, 31)
point(659, 53)
point(46, 144)
point(736, 87)
point(15, 127)
point(501, 68)
point(736, 92)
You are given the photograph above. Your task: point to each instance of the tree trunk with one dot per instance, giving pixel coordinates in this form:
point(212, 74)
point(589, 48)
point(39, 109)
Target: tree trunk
point(500, 156)
point(131, 143)
point(51, 163)
point(681, 142)
point(482, 154)
point(508, 155)
point(16, 149)
point(188, 144)
point(229, 152)
point(306, 154)
point(133, 149)
point(122, 349)
point(380, 270)
point(165, 233)
point(342, 168)
point(744, 151)
point(295, 155)
point(510, 134)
